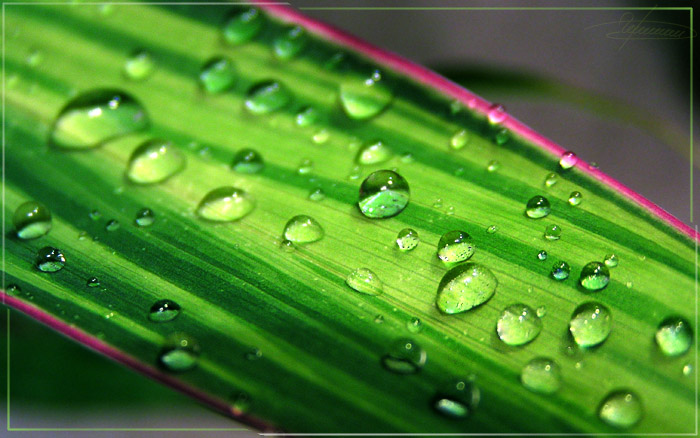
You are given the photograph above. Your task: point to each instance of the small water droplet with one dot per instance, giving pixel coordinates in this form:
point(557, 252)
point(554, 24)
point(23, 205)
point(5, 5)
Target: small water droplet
point(590, 324)
point(379, 319)
point(243, 26)
point(552, 232)
point(225, 204)
point(674, 336)
point(95, 215)
point(266, 97)
point(493, 166)
point(497, 114)
point(404, 357)
point(458, 399)
point(560, 271)
point(550, 179)
point(139, 65)
point(287, 246)
point(537, 207)
point(247, 161)
point(164, 311)
point(407, 239)
point(307, 116)
point(365, 281)
point(541, 375)
point(594, 276)
point(621, 409)
point(568, 160)
point(217, 75)
point(34, 58)
point(154, 161)
point(13, 289)
point(542, 255)
point(407, 158)
point(464, 287)
point(253, 354)
point(611, 260)
point(518, 325)
point(383, 194)
point(321, 136)
point(112, 225)
point(180, 353)
point(364, 98)
point(95, 117)
point(414, 325)
point(31, 220)
point(50, 259)
point(240, 403)
point(575, 198)
point(373, 153)
point(502, 137)
point(303, 229)
point(437, 203)
point(541, 311)
point(317, 194)
point(305, 166)
point(290, 43)
point(459, 139)
point(687, 370)
point(455, 246)
point(145, 217)
point(93, 282)
point(492, 229)
point(455, 107)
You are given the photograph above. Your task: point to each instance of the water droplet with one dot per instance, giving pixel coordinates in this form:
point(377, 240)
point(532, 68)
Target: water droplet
point(568, 160)
point(541, 375)
point(95, 117)
point(266, 97)
point(383, 194)
point(518, 325)
point(50, 259)
point(34, 58)
point(502, 137)
point(464, 287)
point(240, 403)
point(407, 239)
point(552, 232)
point(590, 324)
point(139, 65)
point(550, 180)
point(253, 354)
point(621, 409)
point(290, 44)
point(243, 26)
point(459, 139)
point(497, 114)
point(404, 357)
point(145, 217)
point(537, 207)
point(95, 215)
point(164, 311)
point(321, 136)
point(217, 75)
point(541, 311)
point(575, 198)
point(247, 161)
point(307, 116)
point(363, 98)
point(407, 158)
point(225, 204)
point(379, 319)
point(317, 194)
point(437, 203)
point(542, 255)
point(31, 220)
point(455, 246)
point(112, 225)
point(594, 276)
point(455, 107)
point(365, 281)
point(687, 369)
point(414, 325)
point(306, 166)
point(373, 153)
point(93, 282)
point(458, 399)
point(287, 246)
point(611, 260)
point(303, 229)
point(13, 289)
point(154, 161)
point(674, 336)
point(561, 271)
point(492, 229)
point(493, 166)
point(180, 353)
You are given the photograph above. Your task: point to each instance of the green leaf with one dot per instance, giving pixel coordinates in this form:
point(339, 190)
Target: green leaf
point(268, 330)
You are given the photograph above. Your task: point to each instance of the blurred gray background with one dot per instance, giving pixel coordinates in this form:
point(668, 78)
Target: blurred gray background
point(651, 76)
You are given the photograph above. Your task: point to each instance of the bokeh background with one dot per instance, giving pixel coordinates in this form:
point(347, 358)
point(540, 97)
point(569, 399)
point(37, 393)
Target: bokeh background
point(623, 105)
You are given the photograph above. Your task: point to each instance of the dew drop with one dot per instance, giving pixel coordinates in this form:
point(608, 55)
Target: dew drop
point(154, 161)
point(537, 207)
point(502, 137)
point(590, 324)
point(497, 114)
point(459, 139)
point(95, 215)
point(542, 255)
point(414, 325)
point(575, 198)
point(145, 217)
point(568, 160)
point(31, 220)
point(243, 26)
point(164, 311)
point(611, 260)
point(379, 319)
point(307, 116)
point(594, 276)
point(365, 281)
point(50, 259)
point(674, 336)
point(112, 225)
point(518, 325)
point(247, 161)
point(465, 287)
point(253, 354)
point(95, 117)
point(93, 282)
point(541, 311)
point(407, 239)
point(621, 409)
point(364, 98)
point(321, 136)
point(687, 369)
point(373, 153)
point(541, 375)
point(404, 357)
point(180, 353)
point(317, 194)
point(305, 166)
point(492, 229)
point(240, 403)
point(550, 180)
point(383, 194)
point(139, 66)
point(34, 58)
point(217, 75)
point(303, 229)
point(266, 97)
point(493, 166)
point(290, 43)
point(458, 399)
point(560, 271)
point(455, 246)
point(225, 204)
point(552, 232)
point(13, 289)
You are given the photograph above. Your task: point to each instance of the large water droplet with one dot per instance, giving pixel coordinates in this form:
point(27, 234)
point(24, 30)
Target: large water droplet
point(404, 357)
point(363, 98)
point(31, 220)
point(365, 281)
point(552, 232)
point(541, 375)
point(590, 324)
point(518, 325)
point(455, 246)
point(154, 161)
point(303, 229)
point(243, 26)
point(458, 399)
point(373, 153)
point(50, 259)
point(290, 44)
point(568, 160)
point(575, 198)
point(674, 336)
point(621, 409)
point(537, 207)
point(266, 97)
point(225, 204)
point(407, 239)
point(595, 276)
point(247, 161)
point(95, 117)
point(217, 75)
point(561, 271)
point(164, 311)
point(464, 287)
point(497, 114)
point(145, 217)
point(139, 65)
point(180, 353)
point(383, 194)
